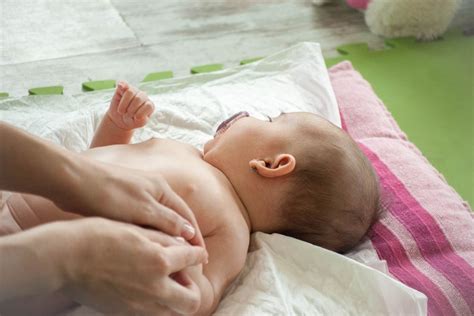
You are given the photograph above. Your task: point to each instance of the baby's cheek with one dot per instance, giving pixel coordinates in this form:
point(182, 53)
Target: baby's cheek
point(243, 134)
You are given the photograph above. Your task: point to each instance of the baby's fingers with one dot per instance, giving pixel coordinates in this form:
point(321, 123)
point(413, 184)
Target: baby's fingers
point(126, 99)
point(139, 99)
point(122, 86)
point(145, 110)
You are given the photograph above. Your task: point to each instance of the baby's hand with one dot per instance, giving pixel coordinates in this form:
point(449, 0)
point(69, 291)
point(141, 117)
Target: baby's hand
point(130, 108)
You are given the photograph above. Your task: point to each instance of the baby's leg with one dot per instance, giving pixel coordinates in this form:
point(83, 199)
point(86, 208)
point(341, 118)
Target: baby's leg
point(8, 224)
point(16, 215)
point(32, 210)
point(19, 212)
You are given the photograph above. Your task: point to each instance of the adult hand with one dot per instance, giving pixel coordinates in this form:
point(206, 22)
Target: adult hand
point(88, 187)
point(107, 265)
point(130, 196)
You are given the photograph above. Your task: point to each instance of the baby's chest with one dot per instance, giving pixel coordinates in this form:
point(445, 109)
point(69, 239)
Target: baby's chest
point(167, 156)
point(153, 155)
point(201, 187)
point(184, 170)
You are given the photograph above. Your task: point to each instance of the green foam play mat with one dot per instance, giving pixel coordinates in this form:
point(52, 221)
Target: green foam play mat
point(429, 89)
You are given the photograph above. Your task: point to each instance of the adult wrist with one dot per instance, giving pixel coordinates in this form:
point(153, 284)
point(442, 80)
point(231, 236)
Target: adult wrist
point(72, 170)
point(52, 248)
point(33, 262)
point(61, 254)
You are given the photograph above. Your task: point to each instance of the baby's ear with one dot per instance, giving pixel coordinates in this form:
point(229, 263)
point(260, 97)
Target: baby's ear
point(281, 165)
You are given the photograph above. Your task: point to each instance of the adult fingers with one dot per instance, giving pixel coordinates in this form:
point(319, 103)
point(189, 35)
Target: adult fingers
point(182, 299)
point(146, 309)
point(170, 199)
point(165, 220)
point(161, 238)
point(158, 217)
point(150, 309)
point(183, 256)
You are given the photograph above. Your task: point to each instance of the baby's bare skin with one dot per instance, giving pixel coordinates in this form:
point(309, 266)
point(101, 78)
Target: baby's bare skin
point(244, 181)
point(218, 210)
point(203, 187)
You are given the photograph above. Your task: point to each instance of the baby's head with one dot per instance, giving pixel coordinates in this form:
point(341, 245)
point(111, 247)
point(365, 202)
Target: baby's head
point(299, 175)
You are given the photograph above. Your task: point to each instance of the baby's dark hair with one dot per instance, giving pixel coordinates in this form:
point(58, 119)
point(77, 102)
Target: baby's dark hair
point(333, 196)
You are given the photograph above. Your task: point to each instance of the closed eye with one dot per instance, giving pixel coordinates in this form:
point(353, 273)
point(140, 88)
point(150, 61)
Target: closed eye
point(269, 118)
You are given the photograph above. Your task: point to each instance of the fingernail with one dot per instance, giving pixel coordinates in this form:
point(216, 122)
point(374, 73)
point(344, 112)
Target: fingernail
point(188, 231)
point(180, 240)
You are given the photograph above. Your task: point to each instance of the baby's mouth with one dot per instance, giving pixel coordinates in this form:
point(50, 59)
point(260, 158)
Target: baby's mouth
point(231, 120)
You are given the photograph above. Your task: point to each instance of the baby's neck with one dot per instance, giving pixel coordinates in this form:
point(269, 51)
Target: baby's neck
point(226, 183)
point(240, 203)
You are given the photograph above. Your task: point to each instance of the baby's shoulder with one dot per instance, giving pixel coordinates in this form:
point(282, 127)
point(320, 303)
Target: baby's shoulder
point(210, 204)
point(230, 227)
point(167, 144)
point(227, 247)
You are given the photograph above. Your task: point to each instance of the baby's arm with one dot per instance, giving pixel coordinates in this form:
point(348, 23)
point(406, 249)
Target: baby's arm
point(227, 254)
point(129, 109)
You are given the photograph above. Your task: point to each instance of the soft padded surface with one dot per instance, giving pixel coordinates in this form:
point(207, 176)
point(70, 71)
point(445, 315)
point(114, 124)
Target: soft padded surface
point(281, 275)
point(428, 86)
point(426, 234)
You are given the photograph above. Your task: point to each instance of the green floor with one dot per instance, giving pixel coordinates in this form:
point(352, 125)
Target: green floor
point(428, 87)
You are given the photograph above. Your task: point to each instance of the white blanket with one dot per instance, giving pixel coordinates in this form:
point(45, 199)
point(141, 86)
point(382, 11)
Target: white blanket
point(282, 275)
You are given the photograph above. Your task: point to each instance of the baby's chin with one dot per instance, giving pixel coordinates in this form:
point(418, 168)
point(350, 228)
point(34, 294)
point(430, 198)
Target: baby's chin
point(210, 144)
point(208, 150)
point(207, 146)
point(210, 153)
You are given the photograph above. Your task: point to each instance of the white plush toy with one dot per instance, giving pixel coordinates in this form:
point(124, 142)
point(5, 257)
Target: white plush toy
point(424, 19)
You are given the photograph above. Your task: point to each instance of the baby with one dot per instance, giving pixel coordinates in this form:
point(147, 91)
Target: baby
point(295, 174)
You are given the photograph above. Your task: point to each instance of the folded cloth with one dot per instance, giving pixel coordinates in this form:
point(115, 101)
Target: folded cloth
point(426, 234)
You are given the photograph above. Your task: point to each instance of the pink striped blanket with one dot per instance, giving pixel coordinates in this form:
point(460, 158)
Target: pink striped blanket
point(426, 233)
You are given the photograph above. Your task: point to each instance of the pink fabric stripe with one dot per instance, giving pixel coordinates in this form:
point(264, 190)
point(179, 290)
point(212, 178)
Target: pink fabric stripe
point(343, 122)
point(391, 249)
point(358, 4)
point(430, 239)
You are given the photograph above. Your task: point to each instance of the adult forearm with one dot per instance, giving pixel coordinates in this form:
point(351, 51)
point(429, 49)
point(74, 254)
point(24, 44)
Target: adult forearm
point(32, 165)
point(82, 185)
point(29, 265)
